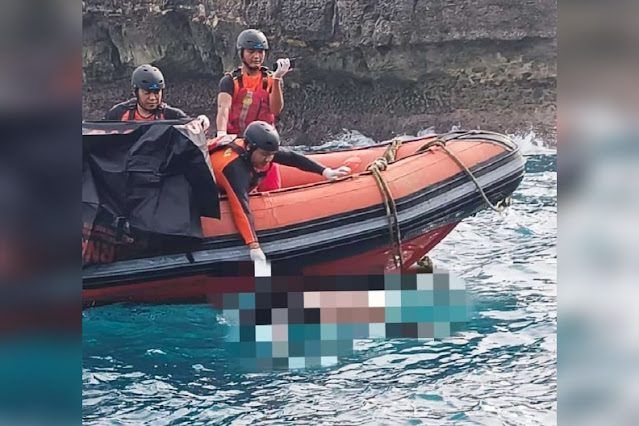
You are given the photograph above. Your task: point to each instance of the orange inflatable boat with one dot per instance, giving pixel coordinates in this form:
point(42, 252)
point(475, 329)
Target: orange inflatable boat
point(402, 198)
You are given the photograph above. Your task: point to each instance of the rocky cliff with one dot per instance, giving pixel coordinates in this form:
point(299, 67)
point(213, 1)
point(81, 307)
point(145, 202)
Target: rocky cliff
point(382, 67)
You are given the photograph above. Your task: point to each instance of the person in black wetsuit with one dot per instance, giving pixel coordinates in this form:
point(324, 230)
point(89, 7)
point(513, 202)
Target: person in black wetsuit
point(240, 164)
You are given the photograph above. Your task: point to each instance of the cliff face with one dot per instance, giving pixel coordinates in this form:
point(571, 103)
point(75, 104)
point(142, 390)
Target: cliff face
point(382, 67)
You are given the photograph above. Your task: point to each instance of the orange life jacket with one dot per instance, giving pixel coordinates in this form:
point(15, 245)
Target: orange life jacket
point(237, 148)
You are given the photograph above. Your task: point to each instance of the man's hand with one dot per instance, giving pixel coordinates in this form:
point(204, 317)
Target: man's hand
point(256, 253)
point(283, 67)
point(262, 266)
point(332, 174)
point(221, 133)
point(204, 120)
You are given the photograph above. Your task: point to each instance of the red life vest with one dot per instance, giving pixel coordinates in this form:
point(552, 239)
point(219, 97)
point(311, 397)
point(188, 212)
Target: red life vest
point(238, 147)
point(249, 103)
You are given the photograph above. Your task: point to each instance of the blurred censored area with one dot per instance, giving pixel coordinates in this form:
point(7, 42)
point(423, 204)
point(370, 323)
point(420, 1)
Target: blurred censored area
point(40, 155)
point(40, 88)
point(598, 165)
point(302, 322)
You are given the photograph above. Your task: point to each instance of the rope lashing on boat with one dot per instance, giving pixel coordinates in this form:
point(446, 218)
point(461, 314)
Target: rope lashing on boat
point(425, 264)
point(391, 152)
point(499, 207)
point(377, 167)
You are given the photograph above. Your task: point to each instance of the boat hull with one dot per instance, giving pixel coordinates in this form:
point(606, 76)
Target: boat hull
point(205, 288)
point(316, 228)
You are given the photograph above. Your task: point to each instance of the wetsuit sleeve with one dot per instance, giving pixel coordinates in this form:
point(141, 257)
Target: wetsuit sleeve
point(234, 179)
point(226, 85)
point(302, 162)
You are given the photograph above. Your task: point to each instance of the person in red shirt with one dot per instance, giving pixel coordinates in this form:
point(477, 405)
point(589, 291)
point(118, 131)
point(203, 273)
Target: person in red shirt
point(252, 93)
point(148, 87)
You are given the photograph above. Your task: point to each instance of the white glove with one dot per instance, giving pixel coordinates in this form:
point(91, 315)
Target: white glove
point(262, 266)
point(332, 174)
point(283, 66)
point(257, 255)
point(221, 133)
point(205, 121)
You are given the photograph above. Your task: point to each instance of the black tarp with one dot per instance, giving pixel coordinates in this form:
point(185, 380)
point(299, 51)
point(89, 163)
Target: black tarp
point(143, 182)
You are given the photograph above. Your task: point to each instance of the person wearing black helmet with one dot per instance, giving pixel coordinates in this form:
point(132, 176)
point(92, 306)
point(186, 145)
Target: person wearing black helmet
point(251, 93)
point(239, 164)
point(148, 86)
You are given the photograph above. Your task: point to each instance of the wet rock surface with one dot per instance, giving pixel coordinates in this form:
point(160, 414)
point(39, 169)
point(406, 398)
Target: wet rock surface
point(381, 67)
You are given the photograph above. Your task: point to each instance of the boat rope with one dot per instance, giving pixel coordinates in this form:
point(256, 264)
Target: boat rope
point(499, 207)
point(377, 167)
point(389, 156)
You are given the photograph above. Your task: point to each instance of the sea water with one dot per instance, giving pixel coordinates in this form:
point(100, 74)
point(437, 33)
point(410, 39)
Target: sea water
point(162, 365)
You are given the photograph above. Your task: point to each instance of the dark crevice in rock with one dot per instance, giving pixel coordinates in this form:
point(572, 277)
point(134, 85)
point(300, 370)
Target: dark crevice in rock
point(335, 19)
point(115, 57)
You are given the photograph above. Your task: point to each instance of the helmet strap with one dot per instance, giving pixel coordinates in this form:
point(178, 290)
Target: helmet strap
point(138, 106)
point(246, 64)
point(250, 148)
point(248, 152)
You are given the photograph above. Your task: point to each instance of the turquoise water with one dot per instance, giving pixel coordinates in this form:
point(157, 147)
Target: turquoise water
point(165, 365)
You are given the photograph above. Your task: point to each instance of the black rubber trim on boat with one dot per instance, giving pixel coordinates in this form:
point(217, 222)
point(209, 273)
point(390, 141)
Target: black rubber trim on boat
point(366, 241)
point(313, 246)
point(356, 216)
point(325, 253)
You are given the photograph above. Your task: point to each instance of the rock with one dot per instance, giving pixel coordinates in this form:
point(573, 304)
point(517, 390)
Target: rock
point(431, 62)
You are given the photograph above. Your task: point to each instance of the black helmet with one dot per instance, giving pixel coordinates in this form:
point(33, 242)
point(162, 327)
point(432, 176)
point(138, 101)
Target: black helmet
point(147, 77)
point(262, 135)
point(251, 39)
